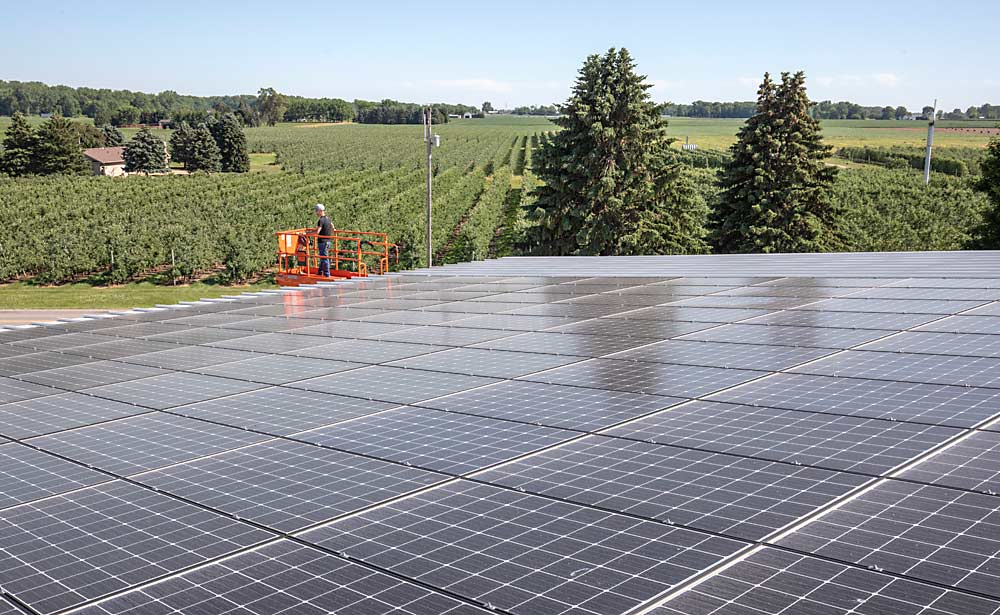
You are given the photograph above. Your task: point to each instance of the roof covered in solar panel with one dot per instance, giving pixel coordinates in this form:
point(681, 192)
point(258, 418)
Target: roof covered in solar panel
point(705, 436)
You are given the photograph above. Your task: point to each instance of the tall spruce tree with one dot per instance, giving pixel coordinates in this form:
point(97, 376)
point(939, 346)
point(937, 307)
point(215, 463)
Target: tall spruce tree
point(145, 153)
point(19, 148)
point(776, 191)
point(58, 150)
point(607, 187)
point(987, 236)
point(203, 153)
point(112, 136)
point(228, 135)
point(180, 144)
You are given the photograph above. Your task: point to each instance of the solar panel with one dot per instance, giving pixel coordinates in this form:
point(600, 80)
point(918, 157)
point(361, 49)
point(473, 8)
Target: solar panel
point(931, 369)
point(200, 335)
point(660, 329)
point(173, 389)
point(845, 320)
point(760, 303)
point(77, 377)
point(39, 361)
point(736, 496)
point(965, 324)
point(835, 442)
point(67, 549)
point(957, 406)
point(446, 336)
point(6, 608)
point(277, 369)
point(645, 377)
point(961, 344)
point(141, 443)
point(16, 390)
point(435, 440)
point(272, 342)
point(284, 577)
point(392, 384)
point(521, 553)
point(895, 306)
point(367, 351)
point(27, 475)
point(188, 357)
point(567, 344)
point(993, 309)
point(288, 486)
point(483, 362)
point(929, 533)
point(777, 581)
point(281, 411)
point(54, 413)
point(692, 314)
point(972, 464)
point(776, 335)
point(722, 354)
point(553, 405)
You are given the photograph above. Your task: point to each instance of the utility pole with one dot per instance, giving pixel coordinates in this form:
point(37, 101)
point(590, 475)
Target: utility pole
point(930, 144)
point(432, 141)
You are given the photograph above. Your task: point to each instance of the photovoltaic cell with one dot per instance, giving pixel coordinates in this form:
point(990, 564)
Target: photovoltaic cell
point(775, 581)
point(54, 413)
point(39, 361)
point(722, 354)
point(435, 440)
point(660, 329)
point(567, 344)
point(446, 336)
point(515, 322)
point(993, 309)
point(522, 553)
point(972, 464)
point(957, 406)
point(142, 443)
point(952, 294)
point(286, 485)
point(482, 362)
point(201, 335)
point(6, 608)
point(870, 446)
point(895, 306)
point(12, 390)
point(932, 369)
point(272, 342)
point(553, 405)
point(646, 377)
point(929, 533)
point(739, 497)
point(283, 577)
point(71, 548)
point(392, 384)
point(77, 377)
point(281, 411)
point(367, 351)
point(27, 474)
point(188, 357)
point(759, 303)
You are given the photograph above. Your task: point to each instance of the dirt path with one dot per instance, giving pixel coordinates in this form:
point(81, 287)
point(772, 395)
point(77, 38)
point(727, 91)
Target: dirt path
point(26, 317)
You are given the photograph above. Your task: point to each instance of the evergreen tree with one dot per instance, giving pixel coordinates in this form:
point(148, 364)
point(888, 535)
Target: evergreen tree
point(145, 153)
point(232, 143)
point(607, 186)
point(112, 136)
point(19, 148)
point(203, 154)
point(987, 236)
point(776, 190)
point(180, 144)
point(58, 150)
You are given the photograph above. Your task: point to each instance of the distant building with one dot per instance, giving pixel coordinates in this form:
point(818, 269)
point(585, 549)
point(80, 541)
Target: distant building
point(454, 116)
point(107, 161)
point(45, 115)
point(467, 115)
point(163, 124)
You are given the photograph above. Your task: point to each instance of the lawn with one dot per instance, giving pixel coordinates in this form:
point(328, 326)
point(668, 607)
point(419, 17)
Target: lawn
point(24, 296)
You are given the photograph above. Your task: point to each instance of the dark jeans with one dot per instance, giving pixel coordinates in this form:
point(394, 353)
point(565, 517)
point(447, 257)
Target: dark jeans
point(324, 250)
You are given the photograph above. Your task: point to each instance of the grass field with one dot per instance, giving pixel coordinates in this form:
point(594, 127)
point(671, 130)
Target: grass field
point(21, 296)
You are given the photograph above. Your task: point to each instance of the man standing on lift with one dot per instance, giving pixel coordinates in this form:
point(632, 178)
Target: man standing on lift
point(324, 232)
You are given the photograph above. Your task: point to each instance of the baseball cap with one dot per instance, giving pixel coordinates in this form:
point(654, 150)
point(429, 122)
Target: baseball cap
point(319, 207)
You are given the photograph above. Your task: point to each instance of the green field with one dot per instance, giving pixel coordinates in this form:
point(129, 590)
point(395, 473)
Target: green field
point(21, 296)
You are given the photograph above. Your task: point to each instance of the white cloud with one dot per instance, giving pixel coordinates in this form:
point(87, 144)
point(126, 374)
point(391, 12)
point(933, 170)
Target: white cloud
point(749, 81)
point(880, 79)
point(887, 79)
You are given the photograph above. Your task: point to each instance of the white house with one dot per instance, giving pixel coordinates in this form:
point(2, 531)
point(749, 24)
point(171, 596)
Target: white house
point(107, 161)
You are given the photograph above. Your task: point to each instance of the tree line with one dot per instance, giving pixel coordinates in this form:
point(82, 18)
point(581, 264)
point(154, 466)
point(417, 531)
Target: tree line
point(610, 185)
point(56, 147)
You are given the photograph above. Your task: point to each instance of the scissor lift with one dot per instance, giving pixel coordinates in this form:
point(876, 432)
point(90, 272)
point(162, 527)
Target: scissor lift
point(349, 255)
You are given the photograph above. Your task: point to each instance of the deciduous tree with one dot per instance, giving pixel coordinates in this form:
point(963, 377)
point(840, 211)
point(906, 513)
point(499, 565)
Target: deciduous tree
point(19, 147)
point(271, 105)
point(776, 190)
point(987, 236)
point(145, 153)
point(607, 187)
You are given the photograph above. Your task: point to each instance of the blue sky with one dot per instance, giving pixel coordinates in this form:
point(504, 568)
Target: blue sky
point(511, 53)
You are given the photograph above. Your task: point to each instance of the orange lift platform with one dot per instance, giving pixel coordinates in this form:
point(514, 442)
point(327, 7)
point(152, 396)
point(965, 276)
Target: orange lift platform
point(352, 254)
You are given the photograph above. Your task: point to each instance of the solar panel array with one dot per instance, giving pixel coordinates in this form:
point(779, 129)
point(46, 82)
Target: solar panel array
point(529, 444)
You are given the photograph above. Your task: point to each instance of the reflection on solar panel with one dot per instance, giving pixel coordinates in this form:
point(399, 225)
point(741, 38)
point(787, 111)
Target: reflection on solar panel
point(579, 436)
